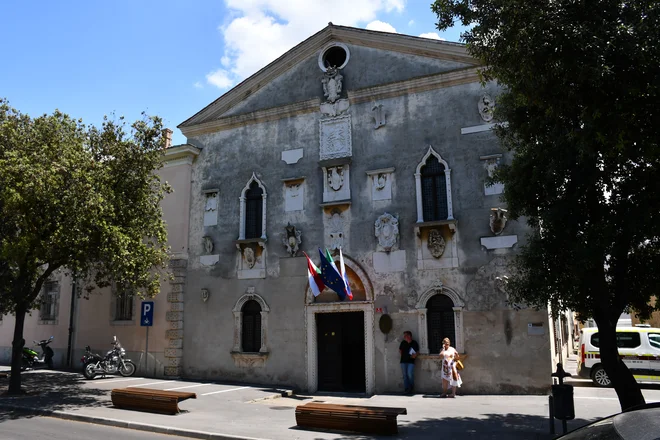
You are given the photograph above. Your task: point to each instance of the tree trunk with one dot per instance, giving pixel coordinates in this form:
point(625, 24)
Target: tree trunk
point(625, 385)
point(17, 352)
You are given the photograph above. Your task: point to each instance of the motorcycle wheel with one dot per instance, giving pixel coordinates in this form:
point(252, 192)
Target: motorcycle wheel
point(128, 369)
point(25, 364)
point(89, 371)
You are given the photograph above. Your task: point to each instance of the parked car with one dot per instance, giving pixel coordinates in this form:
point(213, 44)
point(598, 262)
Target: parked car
point(639, 348)
point(641, 423)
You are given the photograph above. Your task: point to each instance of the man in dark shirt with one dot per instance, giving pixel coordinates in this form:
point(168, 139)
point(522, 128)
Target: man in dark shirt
point(408, 350)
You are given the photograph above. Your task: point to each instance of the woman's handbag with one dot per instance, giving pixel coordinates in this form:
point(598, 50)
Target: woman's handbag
point(459, 365)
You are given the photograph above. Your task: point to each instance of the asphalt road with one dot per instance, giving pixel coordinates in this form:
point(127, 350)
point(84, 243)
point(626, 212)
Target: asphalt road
point(42, 428)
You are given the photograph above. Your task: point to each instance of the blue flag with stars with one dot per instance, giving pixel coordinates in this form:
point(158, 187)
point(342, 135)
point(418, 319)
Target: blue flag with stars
point(331, 277)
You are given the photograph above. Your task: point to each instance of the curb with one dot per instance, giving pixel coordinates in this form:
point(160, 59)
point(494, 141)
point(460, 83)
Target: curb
point(116, 423)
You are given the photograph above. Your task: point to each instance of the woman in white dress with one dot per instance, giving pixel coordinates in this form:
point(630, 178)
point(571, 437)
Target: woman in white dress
point(450, 377)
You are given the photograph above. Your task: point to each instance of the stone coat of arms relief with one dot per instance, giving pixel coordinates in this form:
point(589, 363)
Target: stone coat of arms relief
point(387, 232)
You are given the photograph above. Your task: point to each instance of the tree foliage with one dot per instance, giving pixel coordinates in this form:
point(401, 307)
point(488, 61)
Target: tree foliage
point(580, 86)
point(77, 198)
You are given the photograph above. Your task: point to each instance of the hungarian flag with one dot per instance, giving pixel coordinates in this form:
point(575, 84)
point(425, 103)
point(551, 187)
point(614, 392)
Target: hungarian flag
point(314, 277)
point(349, 294)
point(331, 276)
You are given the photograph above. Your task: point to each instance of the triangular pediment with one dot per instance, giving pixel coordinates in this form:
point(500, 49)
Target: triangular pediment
point(385, 48)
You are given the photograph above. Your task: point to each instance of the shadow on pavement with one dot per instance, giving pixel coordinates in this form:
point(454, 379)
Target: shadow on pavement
point(50, 391)
point(491, 426)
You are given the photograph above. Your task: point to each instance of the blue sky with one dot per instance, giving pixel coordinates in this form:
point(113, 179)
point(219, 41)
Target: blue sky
point(169, 58)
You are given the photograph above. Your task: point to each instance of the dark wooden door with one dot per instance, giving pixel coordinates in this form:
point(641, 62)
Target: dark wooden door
point(328, 331)
point(341, 361)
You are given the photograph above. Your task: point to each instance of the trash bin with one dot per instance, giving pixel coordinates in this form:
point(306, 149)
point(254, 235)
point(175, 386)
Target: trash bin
point(563, 405)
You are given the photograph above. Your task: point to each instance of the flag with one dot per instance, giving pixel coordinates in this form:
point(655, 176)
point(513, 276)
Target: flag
point(331, 276)
point(330, 259)
point(344, 275)
point(314, 277)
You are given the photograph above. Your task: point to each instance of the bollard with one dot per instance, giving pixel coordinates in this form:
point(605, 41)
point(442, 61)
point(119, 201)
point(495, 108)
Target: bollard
point(562, 399)
point(552, 414)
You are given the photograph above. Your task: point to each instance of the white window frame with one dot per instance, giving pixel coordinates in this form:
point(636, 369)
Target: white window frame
point(459, 305)
point(238, 321)
point(418, 185)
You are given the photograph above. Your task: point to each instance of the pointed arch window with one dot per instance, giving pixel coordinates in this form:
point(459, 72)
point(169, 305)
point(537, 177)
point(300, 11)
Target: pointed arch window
point(253, 210)
point(433, 184)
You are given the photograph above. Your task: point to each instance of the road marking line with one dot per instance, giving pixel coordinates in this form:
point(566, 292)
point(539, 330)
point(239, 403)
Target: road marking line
point(188, 386)
point(121, 380)
point(609, 398)
point(153, 383)
point(224, 391)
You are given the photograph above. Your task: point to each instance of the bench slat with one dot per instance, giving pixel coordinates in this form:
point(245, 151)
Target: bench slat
point(361, 409)
point(365, 419)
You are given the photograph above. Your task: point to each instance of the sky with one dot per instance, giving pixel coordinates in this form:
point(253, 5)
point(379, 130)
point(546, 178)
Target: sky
point(167, 58)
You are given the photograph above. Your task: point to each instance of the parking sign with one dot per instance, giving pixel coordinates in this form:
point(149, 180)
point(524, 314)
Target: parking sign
point(147, 314)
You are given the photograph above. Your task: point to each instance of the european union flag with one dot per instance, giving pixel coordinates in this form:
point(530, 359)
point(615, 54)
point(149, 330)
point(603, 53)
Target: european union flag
point(332, 278)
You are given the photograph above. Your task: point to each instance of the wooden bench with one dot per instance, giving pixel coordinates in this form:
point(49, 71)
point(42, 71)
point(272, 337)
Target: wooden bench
point(365, 419)
point(145, 399)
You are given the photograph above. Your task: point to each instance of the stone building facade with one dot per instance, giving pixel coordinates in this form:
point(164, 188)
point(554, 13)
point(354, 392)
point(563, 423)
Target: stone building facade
point(378, 144)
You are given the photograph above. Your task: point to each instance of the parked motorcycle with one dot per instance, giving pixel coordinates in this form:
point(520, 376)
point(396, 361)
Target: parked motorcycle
point(113, 362)
point(31, 358)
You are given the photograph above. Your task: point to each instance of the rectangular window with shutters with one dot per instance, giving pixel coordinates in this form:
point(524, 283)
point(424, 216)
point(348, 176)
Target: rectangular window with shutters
point(49, 301)
point(124, 308)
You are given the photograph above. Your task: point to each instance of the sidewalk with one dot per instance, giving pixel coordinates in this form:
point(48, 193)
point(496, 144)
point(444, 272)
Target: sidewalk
point(235, 411)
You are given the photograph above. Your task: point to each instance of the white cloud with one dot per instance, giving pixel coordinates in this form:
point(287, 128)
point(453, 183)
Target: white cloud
point(399, 5)
point(259, 31)
point(381, 26)
point(198, 85)
point(432, 35)
point(220, 78)
point(411, 22)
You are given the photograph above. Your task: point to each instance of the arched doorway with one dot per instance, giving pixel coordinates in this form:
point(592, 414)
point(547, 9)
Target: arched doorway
point(340, 346)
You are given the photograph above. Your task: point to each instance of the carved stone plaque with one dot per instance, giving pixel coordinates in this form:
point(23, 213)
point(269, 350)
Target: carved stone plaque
point(436, 243)
point(387, 232)
point(335, 135)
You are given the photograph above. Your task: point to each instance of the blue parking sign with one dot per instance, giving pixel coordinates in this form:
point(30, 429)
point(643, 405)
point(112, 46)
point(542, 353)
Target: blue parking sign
point(147, 314)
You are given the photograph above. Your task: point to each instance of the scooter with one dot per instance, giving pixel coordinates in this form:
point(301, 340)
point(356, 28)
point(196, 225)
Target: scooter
point(31, 358)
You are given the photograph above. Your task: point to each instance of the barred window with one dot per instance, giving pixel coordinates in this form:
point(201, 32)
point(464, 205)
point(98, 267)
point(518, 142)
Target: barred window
point(49, 301)
point(440, 322)
point(251, 331)
point(434, 190)
point(124, 307)
point(253, 211)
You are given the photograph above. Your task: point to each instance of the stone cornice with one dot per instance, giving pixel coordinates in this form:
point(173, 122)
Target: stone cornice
point(362, 37)
point(415, 85)
point(180, 154)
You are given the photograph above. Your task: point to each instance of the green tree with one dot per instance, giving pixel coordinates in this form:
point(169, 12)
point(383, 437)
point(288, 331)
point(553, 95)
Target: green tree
point(580, 90)
point(81, 199)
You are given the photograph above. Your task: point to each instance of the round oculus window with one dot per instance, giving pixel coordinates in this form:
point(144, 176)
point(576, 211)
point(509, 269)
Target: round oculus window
point(335, 55)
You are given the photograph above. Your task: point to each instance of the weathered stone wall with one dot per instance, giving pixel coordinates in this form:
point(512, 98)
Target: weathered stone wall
point(399, 280)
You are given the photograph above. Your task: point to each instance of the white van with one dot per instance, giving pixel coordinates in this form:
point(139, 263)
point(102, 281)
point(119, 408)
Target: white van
point(639, 348)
